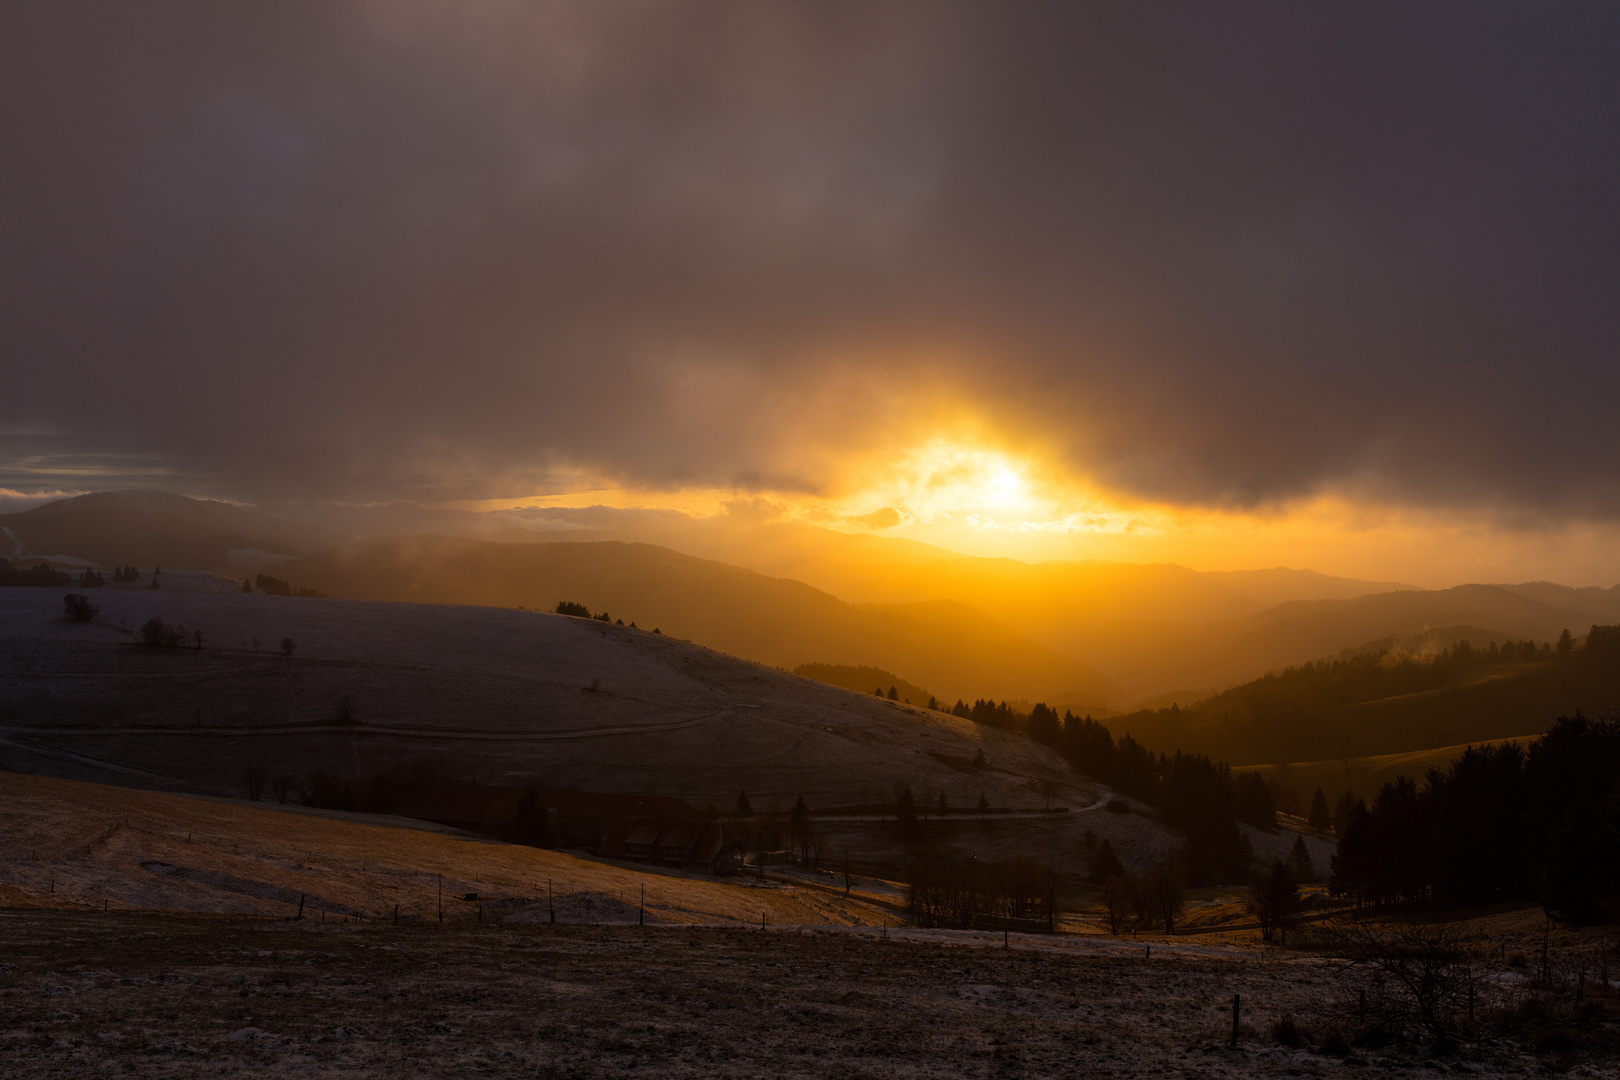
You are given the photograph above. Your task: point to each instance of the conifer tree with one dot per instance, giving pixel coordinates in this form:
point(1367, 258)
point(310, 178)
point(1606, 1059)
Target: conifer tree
point(1300, 860)
point(1320, 818)
point(1105, 864)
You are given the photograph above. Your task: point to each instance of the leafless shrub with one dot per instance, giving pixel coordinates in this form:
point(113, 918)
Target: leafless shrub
point(1285, 1032)
point(158, 633)
point(79, 608)
point(1409, 979)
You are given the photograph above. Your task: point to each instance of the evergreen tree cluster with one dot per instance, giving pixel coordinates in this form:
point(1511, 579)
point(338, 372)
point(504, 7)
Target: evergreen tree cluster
point(41, 575)
point(274, 586)
point(1001, 717)
point(125, 574)
point(580, 611)
point(1197, 795)
point(1502, 823)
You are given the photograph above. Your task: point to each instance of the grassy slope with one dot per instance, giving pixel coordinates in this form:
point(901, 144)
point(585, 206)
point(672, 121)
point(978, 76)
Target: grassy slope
point(492, 693)
point(77, 845)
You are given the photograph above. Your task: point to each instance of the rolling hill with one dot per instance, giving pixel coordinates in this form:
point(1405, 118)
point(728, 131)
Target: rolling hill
point(155, 528)
point(945, 645)
point(1276, 720)
point(1084, 634)
point(371, 690)
point(502, 696)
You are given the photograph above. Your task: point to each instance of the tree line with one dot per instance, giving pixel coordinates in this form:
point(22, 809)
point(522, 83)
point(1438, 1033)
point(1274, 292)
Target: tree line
point(953, 892)
point(274, 586)
point(40, 575)
point(1501, 823)
point(1197, 795)
point(1290, 714)
point(580, 611)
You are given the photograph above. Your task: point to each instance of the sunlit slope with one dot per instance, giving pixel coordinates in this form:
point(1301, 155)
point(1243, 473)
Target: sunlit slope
point(1490, 703)
point(76, 845)
point(501, 695)
point(947, 646)
point(154, 528)
point(1363, 776)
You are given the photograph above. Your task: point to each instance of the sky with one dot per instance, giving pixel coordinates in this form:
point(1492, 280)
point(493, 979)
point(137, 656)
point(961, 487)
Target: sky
point(1239, 284)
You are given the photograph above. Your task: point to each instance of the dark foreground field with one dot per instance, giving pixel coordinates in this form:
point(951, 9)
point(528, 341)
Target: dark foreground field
point(83, 994)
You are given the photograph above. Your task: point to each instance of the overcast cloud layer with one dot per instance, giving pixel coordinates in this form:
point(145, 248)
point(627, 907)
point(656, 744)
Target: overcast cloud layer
point(1208, 253)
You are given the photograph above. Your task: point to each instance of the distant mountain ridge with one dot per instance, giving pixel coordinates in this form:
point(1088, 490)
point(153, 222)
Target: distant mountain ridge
point(156, 528)
point(944, 644)
point(1124, 632)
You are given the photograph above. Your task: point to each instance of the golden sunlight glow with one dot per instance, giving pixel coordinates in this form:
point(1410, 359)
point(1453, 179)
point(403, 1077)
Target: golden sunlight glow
point(975, 488)
point(975, 497)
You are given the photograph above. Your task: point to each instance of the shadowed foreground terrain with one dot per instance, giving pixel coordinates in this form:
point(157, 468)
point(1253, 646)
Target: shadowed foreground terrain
point(84, 993)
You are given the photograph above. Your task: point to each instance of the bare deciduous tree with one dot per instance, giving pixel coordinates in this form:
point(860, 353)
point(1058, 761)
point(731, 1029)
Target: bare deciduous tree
point(254, 777)
point(1273, 900)
point(282, 784)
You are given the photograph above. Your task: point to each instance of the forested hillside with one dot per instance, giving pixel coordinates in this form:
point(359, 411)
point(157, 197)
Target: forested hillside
point(1384, 703)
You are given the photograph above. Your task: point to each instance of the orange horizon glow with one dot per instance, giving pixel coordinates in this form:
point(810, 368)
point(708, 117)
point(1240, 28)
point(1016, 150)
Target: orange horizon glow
point(978, 498)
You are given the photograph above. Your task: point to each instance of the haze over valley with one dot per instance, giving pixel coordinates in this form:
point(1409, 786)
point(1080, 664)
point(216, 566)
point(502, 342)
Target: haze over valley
point(810, 539)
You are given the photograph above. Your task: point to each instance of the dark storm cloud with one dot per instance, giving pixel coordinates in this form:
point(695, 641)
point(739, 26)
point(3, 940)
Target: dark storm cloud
point(1215, 253)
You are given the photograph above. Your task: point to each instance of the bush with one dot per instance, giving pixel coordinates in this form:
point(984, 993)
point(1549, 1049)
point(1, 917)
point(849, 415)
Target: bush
point(1285, 1032)
point(1118, 806)
point(160, 634)
point(79, 608)
point(288, 645)
point(1334, 1045)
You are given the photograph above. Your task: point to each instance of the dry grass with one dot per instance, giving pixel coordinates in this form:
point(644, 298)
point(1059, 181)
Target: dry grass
point(75, 845)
